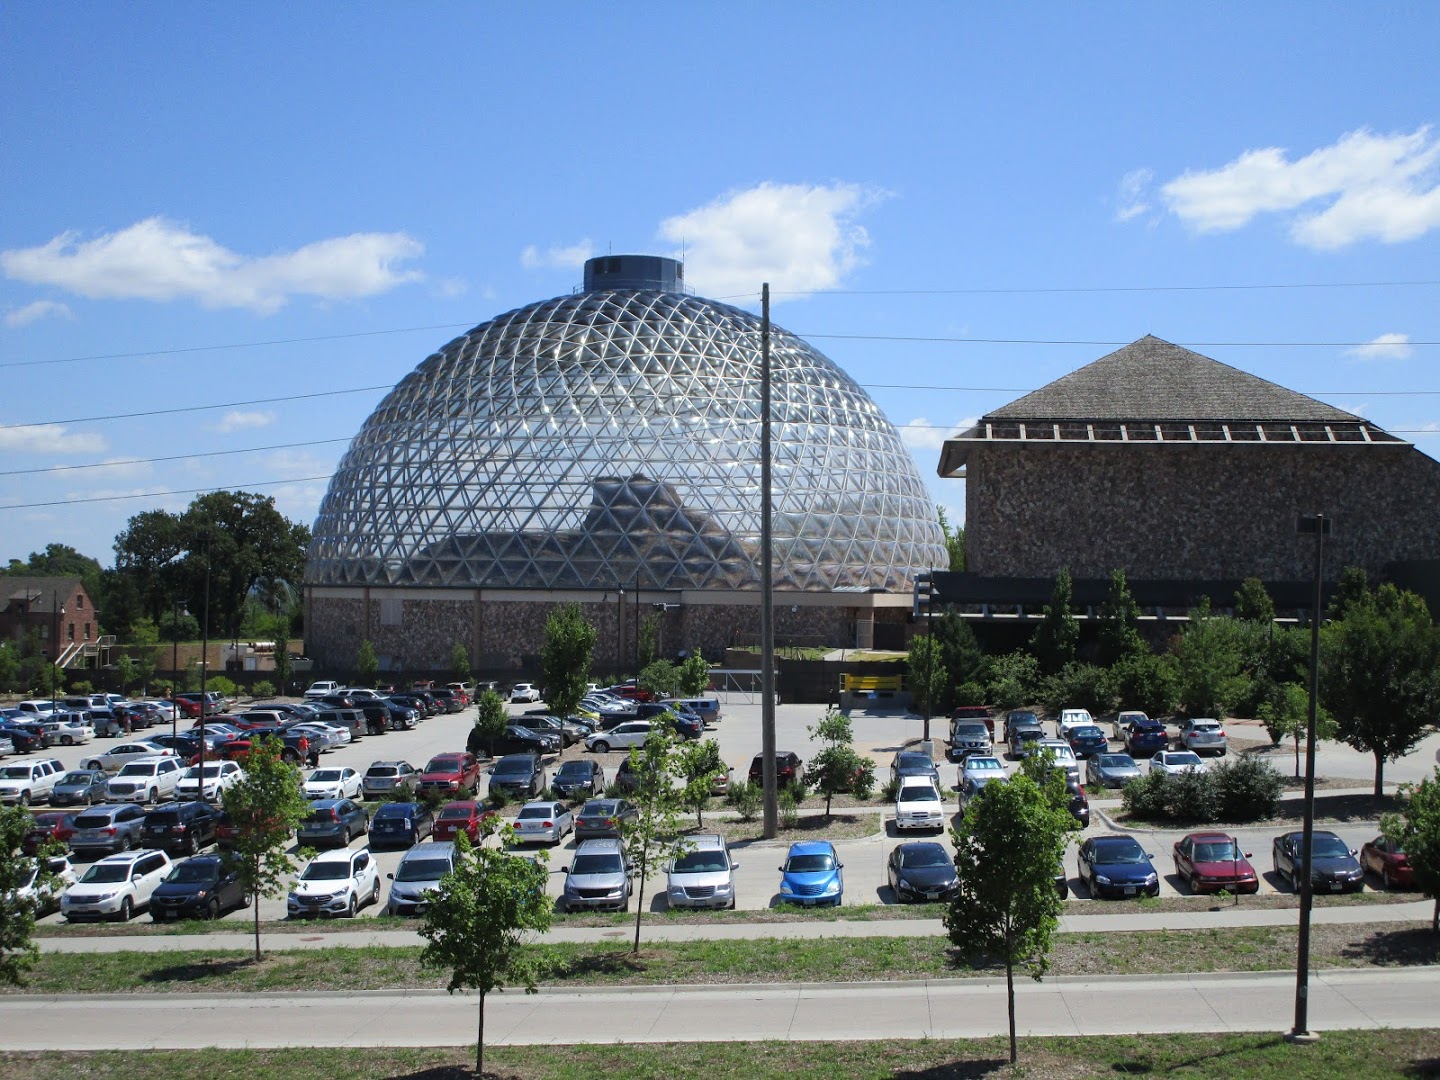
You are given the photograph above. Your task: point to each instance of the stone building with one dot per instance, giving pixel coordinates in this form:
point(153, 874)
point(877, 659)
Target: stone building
point(1190, 476)
point(603, 447)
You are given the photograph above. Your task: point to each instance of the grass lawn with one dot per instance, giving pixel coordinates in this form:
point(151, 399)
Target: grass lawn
point(1379, 1054)
point(1264, 948)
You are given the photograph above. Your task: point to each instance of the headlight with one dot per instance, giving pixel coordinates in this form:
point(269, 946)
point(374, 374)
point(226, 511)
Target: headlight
point(1151, 878)
point(677, 890)
point(202, 894)
point(1101, 879)
point(728, 887)
point(906, 885)
point(833, 887)
point(107, 896)
point(785, 887)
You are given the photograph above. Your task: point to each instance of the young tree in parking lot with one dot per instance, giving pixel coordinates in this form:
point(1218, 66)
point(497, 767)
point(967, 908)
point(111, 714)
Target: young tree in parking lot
point(693, 676)
point(1285, 711)
point(1119, 622)
point(651, 834)
point(699, 765)
point(367, 664)
point(480, 921)
point(490, 721)
point(1008, 847)
point(265, 807)
point(659, 677)
point(836, 769)
point(460, 662)
point(1416, 831)
point(565, 658)
point(17, 916)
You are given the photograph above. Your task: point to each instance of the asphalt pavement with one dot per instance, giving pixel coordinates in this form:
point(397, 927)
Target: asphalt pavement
point(938, 1009)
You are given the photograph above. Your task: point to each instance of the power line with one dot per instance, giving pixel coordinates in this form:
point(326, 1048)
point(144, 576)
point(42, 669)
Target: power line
point(163, 494)
point(170, 457)
point(197, 408)
point(1040, 291)
point(1105, 344)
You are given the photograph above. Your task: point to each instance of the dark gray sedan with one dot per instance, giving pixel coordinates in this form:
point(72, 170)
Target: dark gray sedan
point(333, 822)
point(80, 787)
point(1111, 770)
point(603, 817)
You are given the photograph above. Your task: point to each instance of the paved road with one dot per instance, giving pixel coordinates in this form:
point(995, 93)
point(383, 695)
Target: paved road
point(955, 1008)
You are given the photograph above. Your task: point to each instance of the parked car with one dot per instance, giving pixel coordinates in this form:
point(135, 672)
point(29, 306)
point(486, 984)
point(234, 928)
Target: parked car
point(146, 780)
point(1146, 737)
point(701, 874)
point(1020, 718)
point(68, 729)
point(110, 827)
point(620, 737)
point(526, 692)
point(321, 689)
point(1211, 861)
point(918, 804)
point(1387, 860)
point(386, 779)
point(986, 765)
point(811, 874)
point(544, 724)
point(27, 780)
point(517, 775)
point(1124, 719)
point(202, 887)
point(401, 824)
point(79, 787)
point(1334, 867)
point(1087, 740)
point(449, 774)
point(914, 763)
point(418, 875)
point(338, 783)
point(788, 768)
point(181, 828)
point(1024, 737)
point(1062, 753)
point(603, 818)
point(973, 785)
point(969, 737)
point(1203, 735)
point(464, 815)
point(578, 777)
point(335, 883)
point(1070, 719)
point(115, 758)
point(544, 822)
point(41, 893)
point(518, 740)
point(597, 879)
point(921, 870)
point(116, 887)
point(1116, 866)
point(50, 825)
point(1111, 770)
point(333, 821)
point(1079, 802)
point(208, 781)
point(1176, 761)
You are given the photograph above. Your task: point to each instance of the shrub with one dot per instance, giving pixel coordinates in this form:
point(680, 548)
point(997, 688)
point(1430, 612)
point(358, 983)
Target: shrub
point(1192, 797)
point(789, 806)
point(746, 798)
point(890, 789)
point(498, 800)
point(1144, 681)
point(1144, 797)
point(81, 686)
point(615, 790)
point(1237, 792)
point(1078, 686)
point(263, 689)
point(221, 685)
point(1013, 679)
point(864, 785)
point(969, 693)
point(1247, 789)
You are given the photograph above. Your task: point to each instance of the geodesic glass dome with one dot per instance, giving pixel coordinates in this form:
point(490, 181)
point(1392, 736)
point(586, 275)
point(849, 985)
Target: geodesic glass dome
point(582, 441)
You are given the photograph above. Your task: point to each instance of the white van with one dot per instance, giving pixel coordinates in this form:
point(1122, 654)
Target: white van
point(419, 874)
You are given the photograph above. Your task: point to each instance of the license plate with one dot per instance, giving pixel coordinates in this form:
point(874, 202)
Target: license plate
point(1129, 890)
point(1334, 886)
point(932, 896)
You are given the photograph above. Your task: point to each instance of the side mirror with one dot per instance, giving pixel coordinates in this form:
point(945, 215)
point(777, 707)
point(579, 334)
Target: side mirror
point(734, 866)
point(839, 866)
point(1248, 855)
point(390, 876)
point(780, 868)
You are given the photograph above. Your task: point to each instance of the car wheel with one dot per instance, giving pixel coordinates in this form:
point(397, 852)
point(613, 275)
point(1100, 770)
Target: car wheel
point(1194, 884)
point(245, 900)
point(212, 910)
point(602, 747)
point(127, 909)
point(66, 740)
point(154, 796)
point(375, 892)
point(1385, 878)
point(24, 798)
point(345, 838)
point(350, 912)
point(125, 842)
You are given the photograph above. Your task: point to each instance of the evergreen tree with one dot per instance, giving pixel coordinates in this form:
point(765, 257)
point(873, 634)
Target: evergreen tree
point(1056, 638)
point(1119, 622)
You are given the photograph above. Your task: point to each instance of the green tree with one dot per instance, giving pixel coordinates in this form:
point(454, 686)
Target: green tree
point(480, 923)
point(283, 667)
point(659, 677)
point(649, 631)
point(1058, 635)
point(1209, 658)
point(925, 673)
point(1012, 679)
point(565, 657)
point(17, 916)
point(694, 675)
point(699, 765)
point(954, 543)
point(60, 560)
point(367, 664)
point(9, 668)
point(1380, 674)
point(1119, 631)
point(490, 720)
point(127, 671)
point(1145, 681)
point(1353, 587)
point(265, 806)
point(836, 769)
point(1253, 603)
point(1416, 831)
point(460, 662)
point(1078, 686)
point(1286, 712)
point(650, 834)
point(1007, 848)
point(960, 655)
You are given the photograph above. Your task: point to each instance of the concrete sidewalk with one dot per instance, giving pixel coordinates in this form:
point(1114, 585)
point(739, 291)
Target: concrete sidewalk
point(942, 1009)
point(1228, 916)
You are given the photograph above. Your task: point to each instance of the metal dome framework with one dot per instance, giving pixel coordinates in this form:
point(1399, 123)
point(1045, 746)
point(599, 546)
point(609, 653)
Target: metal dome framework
point(588, 440)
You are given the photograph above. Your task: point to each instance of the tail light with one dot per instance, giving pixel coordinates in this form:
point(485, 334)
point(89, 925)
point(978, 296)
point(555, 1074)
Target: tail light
point(108, 832)
point(548, 825)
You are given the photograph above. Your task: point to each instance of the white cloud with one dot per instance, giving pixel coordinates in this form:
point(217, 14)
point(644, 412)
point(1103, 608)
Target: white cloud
point(1384, 347)
point(161, 260)
point(798, 237)
point(39, 309)
point(557, 258)
point(1132, 194)
point(1378, 186)
point(49, 439)
point(240, 420)
point(921, 434)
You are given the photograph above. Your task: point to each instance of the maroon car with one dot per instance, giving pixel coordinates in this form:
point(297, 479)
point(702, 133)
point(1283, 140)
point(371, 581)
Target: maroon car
point(1387, 861)
point(788, 768)
point(446, 773)
point(47, 825)
point(1211, 861)
point(458, 817)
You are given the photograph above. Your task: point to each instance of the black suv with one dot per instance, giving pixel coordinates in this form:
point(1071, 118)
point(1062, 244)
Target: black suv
point(518, 775)
point(181, 828)
point(200, 888)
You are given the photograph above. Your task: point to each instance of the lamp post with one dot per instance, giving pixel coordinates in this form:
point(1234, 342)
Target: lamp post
point(1318, 524)
point(58, 613)
point(620, 633)
point(175, 669)
point(204, 666)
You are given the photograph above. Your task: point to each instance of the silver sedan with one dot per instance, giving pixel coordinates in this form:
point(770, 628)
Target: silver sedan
point(543, 822)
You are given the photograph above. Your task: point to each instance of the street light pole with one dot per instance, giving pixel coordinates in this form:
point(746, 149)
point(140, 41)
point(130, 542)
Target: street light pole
point(620, 634)
point(175, 671)
point(55, 618)
point(1319, 524)
point(204, 667)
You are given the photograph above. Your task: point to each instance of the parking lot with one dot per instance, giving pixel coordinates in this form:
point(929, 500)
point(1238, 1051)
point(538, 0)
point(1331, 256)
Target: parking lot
point(757, 875)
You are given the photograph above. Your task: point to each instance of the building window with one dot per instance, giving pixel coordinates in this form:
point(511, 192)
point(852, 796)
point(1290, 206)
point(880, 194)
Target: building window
point(80, 601)
point(87, 631)
point(70, 628)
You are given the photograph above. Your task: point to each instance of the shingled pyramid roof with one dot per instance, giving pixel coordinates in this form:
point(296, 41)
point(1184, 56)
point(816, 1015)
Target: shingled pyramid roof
point(1151, 379)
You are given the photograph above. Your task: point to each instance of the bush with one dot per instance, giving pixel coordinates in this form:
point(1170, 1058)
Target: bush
point(1144, 681)
point(498, 800)
point(969, 693)
point(1013, 679)
point(864, 785)
point(1078, 686)
point(890, 789)
point(1237, 792)
point(263, 689)
point(1144, 797)
point(615, 790)
point(221, 685)
point(1248, 789)
point(81, 686)
point(746, 798)
point(789, 806)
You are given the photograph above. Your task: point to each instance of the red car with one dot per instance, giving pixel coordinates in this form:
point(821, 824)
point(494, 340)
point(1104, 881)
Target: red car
point(788, 768)
point(1388, 862)
point(459, 817)
point(445, 773)
point(631, 692)
point(49, 825)
point(1211, 861)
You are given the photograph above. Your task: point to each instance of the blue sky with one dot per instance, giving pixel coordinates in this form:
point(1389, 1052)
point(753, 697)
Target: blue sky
point(188, 190)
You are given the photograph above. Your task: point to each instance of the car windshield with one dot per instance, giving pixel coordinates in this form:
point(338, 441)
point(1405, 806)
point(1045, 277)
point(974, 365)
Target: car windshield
point(1120, 851)
point(1087, 731)
point(188, 873)
point(970, 731)
point(1029, 735)
point(456, 813)
point(193, 773)
point(422, 869)
point(383, 770)
point(107, 873)
point(443, 764)
point(520, 768)
point(15, 772)
point(77, 778)
point(915, 858)
point(984, 764)
point(1217, 851)
point(1329, 847)
point(1116, 761)
point(914, 761)
point(138, 768)
point(598, 809)
point(574, 768)
point(326, 871)
point(536, 811)
point(597, 864)
point(1184, 757)
point(701, 862)
point(919, 793)
point(809, 864)
point(325, 776)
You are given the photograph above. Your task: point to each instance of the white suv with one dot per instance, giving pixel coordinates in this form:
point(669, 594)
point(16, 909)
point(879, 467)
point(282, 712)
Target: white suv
point(146, 780)
point(115, 887)
point(525, 692)
point(29, 779)
point(335, 883)
point(219, 775)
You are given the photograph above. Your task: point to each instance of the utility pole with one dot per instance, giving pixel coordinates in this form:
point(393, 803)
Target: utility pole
point(767, 599)
point(205, 667)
